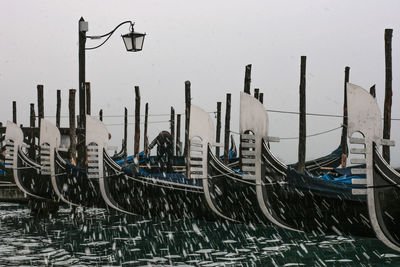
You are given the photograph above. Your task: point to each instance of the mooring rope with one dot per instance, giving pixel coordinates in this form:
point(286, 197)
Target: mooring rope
point(131, 115)
point(311, 135)
point(313, 114)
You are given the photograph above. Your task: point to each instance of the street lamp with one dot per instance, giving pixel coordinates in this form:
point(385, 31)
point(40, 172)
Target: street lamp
point(133, 42)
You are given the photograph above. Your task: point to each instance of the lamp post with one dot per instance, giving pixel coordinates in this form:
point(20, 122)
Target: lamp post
point(133, 43)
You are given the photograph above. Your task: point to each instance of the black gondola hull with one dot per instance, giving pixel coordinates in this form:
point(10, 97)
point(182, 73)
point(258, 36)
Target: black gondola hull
point(312, 204)
point(386, 193)
point(33, 183)
point(232, 196)
point(74, 187)
point(154, 196)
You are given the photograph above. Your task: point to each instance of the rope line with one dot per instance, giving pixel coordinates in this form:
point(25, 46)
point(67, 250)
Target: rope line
point(309, 114)
point(313, 114)
point(121, 116)
point(311, 135)
point(132, 123)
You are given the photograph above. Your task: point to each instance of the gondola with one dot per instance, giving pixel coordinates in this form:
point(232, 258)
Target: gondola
point(31, 178)
point(382, 181)
point(77, 186)
point(298, 201)
point(172, 195)
point(234, 191)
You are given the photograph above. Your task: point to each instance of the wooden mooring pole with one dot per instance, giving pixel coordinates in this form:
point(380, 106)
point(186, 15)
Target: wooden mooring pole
point(227, 128)
point(302, 117)
point(125, 135)
point(88, 98)
point(247, 79)
point(40, 102)
point(187, 116)
point(343, 141)
point(172, 128)
point(1, 138)
point(178, 149)
point(372, 91)
point(256, 93)
point(145, 137)
point(72, 128)
point(101, 114)
point(14, 111)
point(218, 130)
point(32, 151)
point(387, 116)
point(137, 122)
point(261, 98)
point(58, 110)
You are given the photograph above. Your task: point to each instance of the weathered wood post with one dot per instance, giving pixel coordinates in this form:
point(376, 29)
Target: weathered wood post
point(343, 141)
point(302, 117)
point(1, 138)
point(387, 116)
point(32, 150)
point(247, 79)
point(72, 128)
point(256, 93)
point(32, 116)
point(40, 102)
point(227, 128)
point(14, 111)
point(137, 122)
point(187, 116)
point(101, 114)
point(218, 130)
point(372, 91)
point(146, 139)
point(261, 98)
point(58, 110)
point(172, 128)
point(125, 135)
point(178, 149)
point(88, 98)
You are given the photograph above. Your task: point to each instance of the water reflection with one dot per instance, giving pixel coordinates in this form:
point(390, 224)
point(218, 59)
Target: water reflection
point(98, 237)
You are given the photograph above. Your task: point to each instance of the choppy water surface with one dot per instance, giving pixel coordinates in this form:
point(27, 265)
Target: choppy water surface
point(96, 237)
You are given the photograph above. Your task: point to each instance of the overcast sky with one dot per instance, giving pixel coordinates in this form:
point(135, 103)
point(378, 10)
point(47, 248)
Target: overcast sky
point(208, 43)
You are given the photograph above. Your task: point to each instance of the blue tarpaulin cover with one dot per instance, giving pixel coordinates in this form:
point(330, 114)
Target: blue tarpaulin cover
point(342, 179)
point(170, 177)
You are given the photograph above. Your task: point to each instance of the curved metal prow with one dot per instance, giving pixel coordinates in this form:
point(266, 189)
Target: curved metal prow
point(201, 136)
point(14, 142)
point(50, 140)
point(254, 119)
point(97, 143)
point(365, 118)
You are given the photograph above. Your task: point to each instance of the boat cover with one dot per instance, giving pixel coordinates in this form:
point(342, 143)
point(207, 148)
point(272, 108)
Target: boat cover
point(170, 177)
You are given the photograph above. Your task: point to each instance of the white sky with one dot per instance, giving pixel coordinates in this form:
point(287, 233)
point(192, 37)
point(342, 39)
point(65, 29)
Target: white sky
point(208, 43)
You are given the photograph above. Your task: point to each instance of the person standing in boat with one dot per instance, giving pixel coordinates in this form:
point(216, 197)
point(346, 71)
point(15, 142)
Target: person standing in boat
point(164, 147)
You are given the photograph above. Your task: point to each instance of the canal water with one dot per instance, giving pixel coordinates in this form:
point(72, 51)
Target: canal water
point(95, 237)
